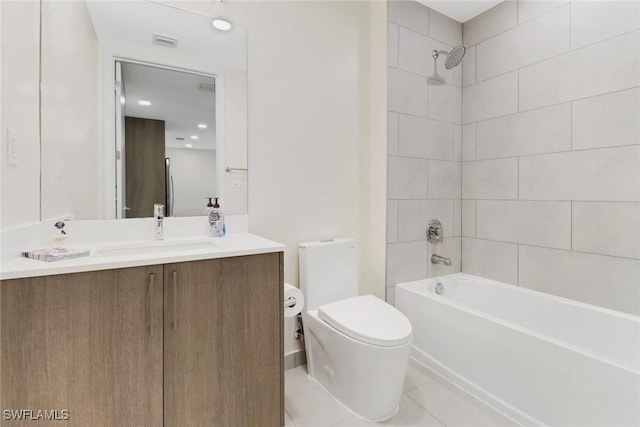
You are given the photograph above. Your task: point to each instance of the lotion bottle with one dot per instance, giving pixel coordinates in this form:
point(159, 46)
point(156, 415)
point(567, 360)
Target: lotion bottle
point(217, 227)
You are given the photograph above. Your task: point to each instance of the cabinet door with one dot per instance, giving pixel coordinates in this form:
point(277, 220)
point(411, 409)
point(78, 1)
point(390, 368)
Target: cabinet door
point(89, 343)
point(223, 348)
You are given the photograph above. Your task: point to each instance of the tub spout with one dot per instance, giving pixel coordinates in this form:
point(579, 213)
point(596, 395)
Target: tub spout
point(437, 259)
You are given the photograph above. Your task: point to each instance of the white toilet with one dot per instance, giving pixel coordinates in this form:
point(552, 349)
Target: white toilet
point(357, 346)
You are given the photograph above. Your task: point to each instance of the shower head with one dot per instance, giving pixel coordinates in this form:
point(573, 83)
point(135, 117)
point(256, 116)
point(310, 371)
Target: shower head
point(454, 57)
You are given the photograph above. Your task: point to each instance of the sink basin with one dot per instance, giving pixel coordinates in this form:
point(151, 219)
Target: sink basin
point(154, 246)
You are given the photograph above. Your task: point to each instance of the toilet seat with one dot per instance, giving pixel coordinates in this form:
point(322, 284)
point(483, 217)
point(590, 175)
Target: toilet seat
point(368, 319)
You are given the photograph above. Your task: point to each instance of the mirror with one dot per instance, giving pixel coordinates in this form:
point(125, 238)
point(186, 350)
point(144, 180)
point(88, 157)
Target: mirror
point(99, 59)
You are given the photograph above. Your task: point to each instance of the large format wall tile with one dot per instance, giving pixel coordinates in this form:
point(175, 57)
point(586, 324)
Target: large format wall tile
point(491, 98)
point(469, 66)
point(444, 180)
point(445, 29)
point(538, 39)
point(490, 179)
point(445, 102)
point(414, 216)
point(593, 21)
point(392, 134)
point(607, 228)
point(544, 130)
point(469, 142)
point(493, 260)
point(392, 221)
point(608, 174)
point(392, 45)
point(468, 208)
point(406, 178)
point(492, 22)
point(409, 14)
point(420, 137)
point(529, 9)
point(595, 279)
point(406, 262)
point(600, 68)
point(533, 223)
point(408, 93)
point(607, 120)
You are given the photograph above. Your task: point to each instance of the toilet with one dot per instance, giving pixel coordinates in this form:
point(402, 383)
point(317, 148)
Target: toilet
point(357, 346)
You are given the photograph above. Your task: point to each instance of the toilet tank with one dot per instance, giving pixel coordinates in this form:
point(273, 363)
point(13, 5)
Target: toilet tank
point(328, 271)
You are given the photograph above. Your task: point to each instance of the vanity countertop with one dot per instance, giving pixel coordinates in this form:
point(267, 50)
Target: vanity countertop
point(142, 252)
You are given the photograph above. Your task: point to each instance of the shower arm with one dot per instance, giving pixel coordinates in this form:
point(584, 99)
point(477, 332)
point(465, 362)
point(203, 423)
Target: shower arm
point(436, 53)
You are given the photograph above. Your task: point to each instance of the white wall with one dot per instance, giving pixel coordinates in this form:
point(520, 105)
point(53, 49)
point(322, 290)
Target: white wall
point(194, 178)
point(20, 186)
point(551, 154)
point(312, 107)
point(72, 167)
point(424, 143)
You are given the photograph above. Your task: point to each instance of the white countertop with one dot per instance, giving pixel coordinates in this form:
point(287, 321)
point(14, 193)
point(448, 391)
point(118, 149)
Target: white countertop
point(105, 253)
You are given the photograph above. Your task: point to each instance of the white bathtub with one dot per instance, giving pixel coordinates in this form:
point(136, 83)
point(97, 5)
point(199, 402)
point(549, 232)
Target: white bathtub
point(539, 359)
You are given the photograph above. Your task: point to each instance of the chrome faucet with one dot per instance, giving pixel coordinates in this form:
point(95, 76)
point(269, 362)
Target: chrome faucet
point(158, 217)
point(437, 259)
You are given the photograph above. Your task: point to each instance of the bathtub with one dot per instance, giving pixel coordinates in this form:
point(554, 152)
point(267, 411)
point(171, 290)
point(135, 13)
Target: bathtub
point(537, 358)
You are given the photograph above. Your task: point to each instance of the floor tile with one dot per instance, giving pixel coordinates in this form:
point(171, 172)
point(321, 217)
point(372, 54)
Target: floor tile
point(411, 415)
point(353, 421)
point(288, 422)
point(308, 404)
point(416, 376)
point(455, 407)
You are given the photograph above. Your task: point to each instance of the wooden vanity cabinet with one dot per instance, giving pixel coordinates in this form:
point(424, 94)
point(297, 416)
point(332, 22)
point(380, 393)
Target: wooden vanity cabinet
point(186, 344)
point(89, 343)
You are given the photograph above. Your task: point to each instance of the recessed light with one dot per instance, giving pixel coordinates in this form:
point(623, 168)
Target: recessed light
point(143, 102)
point(202, 126)
point(188, 145)
point(221, 24)
point(194, 136)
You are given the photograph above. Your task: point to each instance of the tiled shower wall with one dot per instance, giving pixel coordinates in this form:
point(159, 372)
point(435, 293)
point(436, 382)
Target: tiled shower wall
point(424, 152)
point(550, 151)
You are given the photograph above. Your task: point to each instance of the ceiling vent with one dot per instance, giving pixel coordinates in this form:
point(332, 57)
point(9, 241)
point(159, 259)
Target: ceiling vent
point(180, 138)
point(165, 41)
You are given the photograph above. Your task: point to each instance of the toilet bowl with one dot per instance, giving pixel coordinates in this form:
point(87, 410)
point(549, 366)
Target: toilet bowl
point(357, 346)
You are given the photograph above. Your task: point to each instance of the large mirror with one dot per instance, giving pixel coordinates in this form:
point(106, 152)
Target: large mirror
point(141, 103)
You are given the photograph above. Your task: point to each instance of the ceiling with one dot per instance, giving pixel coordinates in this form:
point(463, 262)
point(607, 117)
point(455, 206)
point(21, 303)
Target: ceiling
point(177, 99)
point(460, 10)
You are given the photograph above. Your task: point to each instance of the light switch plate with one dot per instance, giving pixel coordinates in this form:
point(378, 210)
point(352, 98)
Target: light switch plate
point(12, 147)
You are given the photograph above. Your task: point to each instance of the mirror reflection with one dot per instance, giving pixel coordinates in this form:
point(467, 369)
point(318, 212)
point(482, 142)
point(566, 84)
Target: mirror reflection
point(97, 156)
point(168, 153)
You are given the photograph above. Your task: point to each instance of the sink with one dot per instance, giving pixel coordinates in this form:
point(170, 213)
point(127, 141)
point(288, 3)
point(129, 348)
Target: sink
point(154, 246)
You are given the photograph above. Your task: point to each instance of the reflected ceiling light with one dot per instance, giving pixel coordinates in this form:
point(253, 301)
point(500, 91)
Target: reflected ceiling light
point(122, 100)
point(194, 136)
point(188, 145)
point(143, 102)
point(202, 126)
point(221, 24)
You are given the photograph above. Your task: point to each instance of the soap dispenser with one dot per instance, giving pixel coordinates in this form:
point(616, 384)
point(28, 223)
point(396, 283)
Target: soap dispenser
point(209, 207)
point(217, 227)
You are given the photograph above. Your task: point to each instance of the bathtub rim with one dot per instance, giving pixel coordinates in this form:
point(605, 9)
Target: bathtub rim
point(544, 337)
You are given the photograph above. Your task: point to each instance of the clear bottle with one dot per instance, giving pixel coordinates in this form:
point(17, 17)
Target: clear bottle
point(217, 227)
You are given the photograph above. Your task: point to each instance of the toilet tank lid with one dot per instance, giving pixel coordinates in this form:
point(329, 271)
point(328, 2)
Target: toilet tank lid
point(368, 319)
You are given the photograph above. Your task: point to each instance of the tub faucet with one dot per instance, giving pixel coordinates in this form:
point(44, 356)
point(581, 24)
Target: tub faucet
point(158, 218)
point(437, 259)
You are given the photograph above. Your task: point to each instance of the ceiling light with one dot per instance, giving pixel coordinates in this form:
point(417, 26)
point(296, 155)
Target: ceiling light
point(194, 136)
point(221, 24)
point(188, 145)
point(202, 126)
point(143, 102)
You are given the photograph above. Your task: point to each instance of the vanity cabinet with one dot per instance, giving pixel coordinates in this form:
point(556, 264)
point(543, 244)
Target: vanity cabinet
point(195, 343)
point(89, 343)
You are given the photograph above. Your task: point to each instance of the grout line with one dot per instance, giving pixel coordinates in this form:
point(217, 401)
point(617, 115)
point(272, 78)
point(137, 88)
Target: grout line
point(554, 249)
point(423, 117)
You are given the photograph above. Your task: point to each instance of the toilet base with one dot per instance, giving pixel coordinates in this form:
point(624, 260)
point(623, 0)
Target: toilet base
point(366, 379)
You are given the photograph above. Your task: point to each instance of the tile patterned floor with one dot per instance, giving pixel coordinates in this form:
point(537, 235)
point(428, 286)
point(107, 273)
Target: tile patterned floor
point(427, 400)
